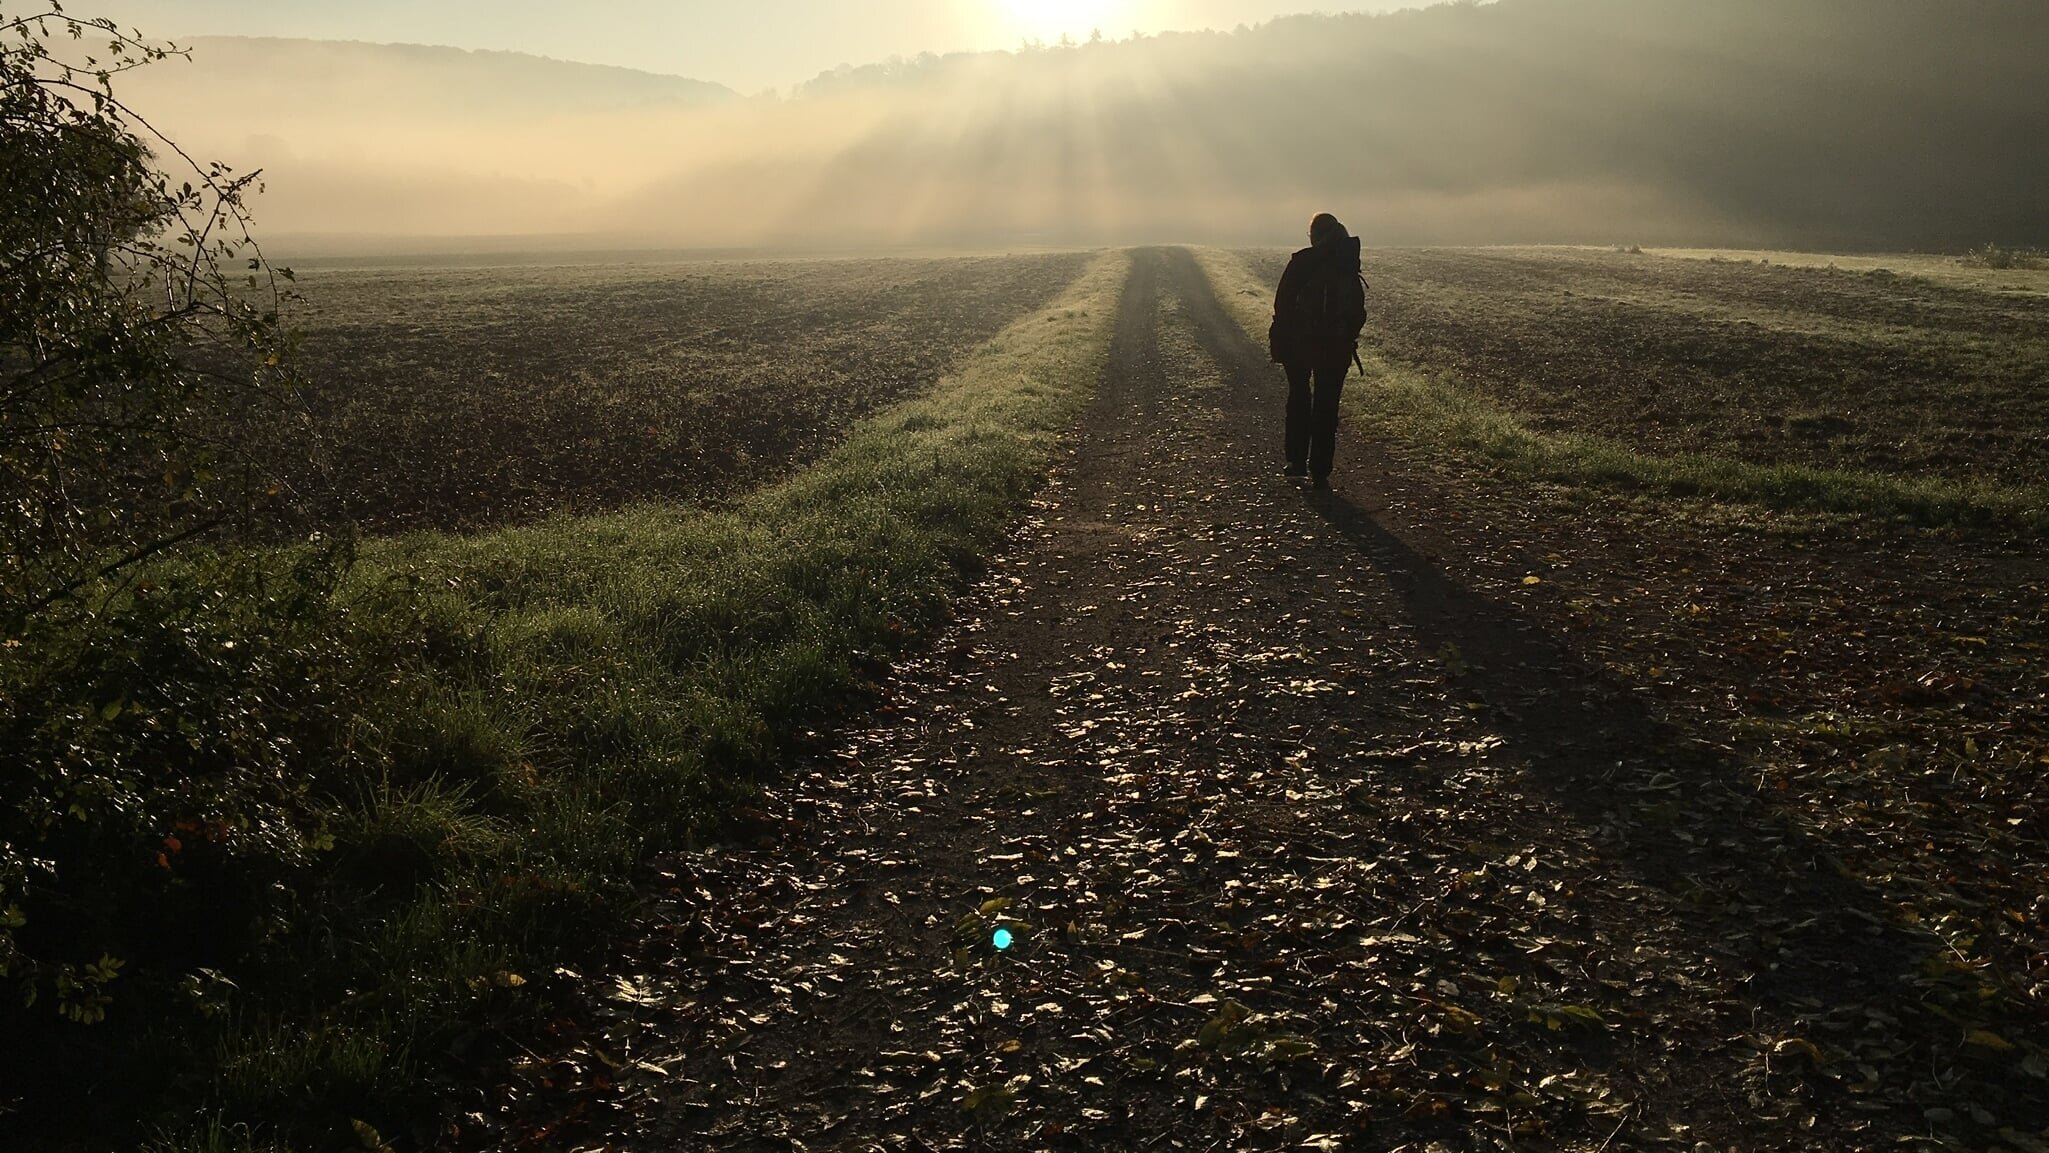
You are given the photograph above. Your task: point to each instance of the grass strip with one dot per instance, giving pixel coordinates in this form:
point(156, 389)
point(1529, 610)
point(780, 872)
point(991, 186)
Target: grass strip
point(501, 729)
point(1410, 403)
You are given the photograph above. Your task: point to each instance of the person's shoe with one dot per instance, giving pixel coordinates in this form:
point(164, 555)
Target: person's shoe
point(1296, 471)
point(1321, 483)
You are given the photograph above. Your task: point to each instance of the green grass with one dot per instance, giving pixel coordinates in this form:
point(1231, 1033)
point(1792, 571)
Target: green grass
point(1413, 404)
point(1964, 271)
point(530, 714)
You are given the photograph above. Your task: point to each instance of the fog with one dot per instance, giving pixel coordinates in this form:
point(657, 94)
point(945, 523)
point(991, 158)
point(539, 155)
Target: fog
point(1863, 124)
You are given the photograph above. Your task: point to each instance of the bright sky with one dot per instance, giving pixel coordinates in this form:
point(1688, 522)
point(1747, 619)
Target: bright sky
point(747, 44)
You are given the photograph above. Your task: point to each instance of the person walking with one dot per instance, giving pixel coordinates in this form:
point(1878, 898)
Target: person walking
point(1319, 311)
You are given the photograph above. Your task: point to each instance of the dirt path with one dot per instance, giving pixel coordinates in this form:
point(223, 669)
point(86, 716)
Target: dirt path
point(1304, 843)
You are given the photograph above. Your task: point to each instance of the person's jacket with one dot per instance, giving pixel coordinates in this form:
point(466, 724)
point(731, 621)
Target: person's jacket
point(1303, 331)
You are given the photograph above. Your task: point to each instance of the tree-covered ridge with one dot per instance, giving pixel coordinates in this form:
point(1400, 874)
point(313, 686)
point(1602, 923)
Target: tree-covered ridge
point(449, 80)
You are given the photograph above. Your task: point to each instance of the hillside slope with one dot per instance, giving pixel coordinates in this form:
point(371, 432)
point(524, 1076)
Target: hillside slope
point(329, 75)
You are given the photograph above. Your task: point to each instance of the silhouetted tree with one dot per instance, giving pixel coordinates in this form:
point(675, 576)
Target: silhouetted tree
point(139, 323)
point(142, 364)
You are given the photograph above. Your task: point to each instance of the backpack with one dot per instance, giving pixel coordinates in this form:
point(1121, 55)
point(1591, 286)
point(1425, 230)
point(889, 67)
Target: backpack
point(1327, 309)
point(1334, 300)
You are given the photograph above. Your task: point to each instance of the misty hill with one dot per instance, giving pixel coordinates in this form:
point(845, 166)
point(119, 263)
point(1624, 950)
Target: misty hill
point(1802, 123)
point(451, 82)
point(405, 139)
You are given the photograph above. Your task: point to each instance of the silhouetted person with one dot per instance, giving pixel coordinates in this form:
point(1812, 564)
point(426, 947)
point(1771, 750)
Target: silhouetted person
point(1318, 315)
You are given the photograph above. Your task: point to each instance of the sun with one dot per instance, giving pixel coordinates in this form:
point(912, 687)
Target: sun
point(1049, 20)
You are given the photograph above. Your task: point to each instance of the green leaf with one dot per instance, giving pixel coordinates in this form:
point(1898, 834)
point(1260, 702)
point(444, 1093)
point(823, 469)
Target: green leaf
point(1557, 1017)
point(1798, 1047)
point(369, 1138)
point(1219, 1028)
point(996, 1099)
point(1287, 1047)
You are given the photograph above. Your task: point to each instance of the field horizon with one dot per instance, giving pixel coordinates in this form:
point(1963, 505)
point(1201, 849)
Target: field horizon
point(1962, 265)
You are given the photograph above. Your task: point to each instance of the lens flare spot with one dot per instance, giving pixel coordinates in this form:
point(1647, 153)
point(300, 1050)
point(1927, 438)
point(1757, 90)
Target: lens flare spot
point(1002, 939)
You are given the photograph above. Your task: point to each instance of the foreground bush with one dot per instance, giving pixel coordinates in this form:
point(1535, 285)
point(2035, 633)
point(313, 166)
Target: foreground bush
point(150, 728)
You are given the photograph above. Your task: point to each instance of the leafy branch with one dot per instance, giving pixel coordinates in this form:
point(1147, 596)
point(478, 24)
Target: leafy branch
point(141, 325)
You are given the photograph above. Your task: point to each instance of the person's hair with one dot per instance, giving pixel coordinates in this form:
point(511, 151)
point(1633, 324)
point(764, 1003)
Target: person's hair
point(1326, 227)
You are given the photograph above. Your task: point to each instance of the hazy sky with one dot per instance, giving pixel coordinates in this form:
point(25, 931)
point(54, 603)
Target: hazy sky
point(748, 44)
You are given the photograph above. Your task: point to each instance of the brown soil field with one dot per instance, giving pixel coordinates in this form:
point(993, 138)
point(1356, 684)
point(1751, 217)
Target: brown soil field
point(459, 398)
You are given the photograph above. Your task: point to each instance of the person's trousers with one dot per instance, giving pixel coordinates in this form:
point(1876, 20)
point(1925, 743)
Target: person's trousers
point(1313, 391)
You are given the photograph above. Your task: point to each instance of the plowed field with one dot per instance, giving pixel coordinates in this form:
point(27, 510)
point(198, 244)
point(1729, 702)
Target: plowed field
point(459, 398)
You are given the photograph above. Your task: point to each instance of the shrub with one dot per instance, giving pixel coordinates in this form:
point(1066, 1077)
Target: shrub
point(2002, 259)
point(153, 796)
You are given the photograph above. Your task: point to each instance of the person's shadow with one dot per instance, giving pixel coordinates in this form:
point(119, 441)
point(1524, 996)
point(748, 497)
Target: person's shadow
point(1568, 720)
